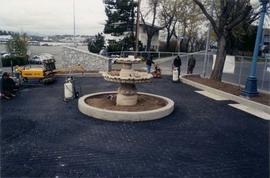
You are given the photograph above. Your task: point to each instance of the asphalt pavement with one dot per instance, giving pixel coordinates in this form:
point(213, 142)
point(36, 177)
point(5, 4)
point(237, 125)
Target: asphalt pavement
point(42, 136)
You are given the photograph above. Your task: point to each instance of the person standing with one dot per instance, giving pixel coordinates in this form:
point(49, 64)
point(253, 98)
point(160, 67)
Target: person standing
point(149, 63)
point(191, 64)
point(177, 64)
point(8, 86)
point(103, 52)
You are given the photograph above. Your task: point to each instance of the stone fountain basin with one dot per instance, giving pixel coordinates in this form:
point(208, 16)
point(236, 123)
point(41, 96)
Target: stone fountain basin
point(126, 113)
point(136, 77)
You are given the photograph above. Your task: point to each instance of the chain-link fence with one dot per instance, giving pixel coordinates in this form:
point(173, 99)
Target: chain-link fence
point(242, 72)
point(156, 55)
point(238, 71)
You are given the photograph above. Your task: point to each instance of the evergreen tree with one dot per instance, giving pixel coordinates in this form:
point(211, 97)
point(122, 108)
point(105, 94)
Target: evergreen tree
point(120, 14)
point(97, 44)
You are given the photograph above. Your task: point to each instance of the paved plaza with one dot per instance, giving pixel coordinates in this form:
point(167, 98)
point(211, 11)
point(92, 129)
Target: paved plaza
point(42, 136)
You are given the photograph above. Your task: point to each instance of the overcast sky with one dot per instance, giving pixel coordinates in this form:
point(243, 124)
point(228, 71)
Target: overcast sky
point(52, 16)
point(49, 17)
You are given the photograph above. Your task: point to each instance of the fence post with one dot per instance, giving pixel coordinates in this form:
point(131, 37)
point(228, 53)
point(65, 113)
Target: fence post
point(240, 72)
point(264, 71)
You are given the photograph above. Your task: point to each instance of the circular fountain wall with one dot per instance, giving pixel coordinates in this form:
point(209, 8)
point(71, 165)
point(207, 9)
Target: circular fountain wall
point(126, 104)
point(148, 107)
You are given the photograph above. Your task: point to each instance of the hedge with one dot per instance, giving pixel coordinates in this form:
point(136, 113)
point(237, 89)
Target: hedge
point(17, 60)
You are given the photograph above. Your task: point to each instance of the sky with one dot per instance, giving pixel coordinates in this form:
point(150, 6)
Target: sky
point(50, 17)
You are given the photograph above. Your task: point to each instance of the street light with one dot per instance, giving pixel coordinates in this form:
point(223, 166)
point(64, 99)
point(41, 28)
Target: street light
point(251, 83)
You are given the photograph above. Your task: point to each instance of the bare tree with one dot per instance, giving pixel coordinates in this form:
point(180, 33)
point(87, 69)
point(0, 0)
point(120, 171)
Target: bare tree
point(167, 17)
point(228, 13)
point(152, 14)
point(190, 19)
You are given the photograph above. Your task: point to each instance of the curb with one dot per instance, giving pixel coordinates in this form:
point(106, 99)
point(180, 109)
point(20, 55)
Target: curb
point(125, 116)
point(229, 96)
point(80, 75)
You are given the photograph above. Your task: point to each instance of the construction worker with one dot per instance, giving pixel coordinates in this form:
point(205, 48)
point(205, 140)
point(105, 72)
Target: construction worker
point(177, 64)
point(191, 64)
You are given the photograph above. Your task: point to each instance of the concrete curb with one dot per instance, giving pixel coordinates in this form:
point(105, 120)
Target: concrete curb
point(229, 96)
point(125, 116)
point(80, 75)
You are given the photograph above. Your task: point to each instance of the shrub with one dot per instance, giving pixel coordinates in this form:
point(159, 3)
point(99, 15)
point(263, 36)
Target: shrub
point(17, 60)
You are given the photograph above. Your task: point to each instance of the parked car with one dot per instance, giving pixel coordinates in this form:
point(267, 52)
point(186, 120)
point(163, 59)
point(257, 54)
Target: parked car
point(5, 54)
point(38, 59)
point(35, 60)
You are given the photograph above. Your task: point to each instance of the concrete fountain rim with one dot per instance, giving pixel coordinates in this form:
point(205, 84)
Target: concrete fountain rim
point(125, 116)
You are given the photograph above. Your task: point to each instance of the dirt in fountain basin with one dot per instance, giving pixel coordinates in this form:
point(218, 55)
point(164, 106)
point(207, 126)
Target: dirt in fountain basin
point(108, 101)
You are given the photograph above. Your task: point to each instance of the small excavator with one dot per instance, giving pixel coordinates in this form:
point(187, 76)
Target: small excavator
point(44, 75)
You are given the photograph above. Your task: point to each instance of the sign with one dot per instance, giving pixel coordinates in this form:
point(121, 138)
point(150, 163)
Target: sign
point(229, 64)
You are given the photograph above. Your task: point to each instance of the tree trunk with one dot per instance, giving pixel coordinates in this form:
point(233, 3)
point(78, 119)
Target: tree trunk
point(187, 45)
point(149, 41)
point(220, 59)
point(181, 45)
point(168, 39)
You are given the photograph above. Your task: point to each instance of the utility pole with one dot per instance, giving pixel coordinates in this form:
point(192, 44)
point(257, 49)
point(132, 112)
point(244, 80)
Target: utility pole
point(137, 27)
point(208, 41)
point(74, 32)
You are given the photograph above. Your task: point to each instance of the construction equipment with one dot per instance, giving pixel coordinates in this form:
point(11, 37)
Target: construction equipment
point(45, 74)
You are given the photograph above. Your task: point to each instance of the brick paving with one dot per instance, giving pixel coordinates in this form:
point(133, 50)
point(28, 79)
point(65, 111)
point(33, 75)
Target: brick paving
point(42, 136)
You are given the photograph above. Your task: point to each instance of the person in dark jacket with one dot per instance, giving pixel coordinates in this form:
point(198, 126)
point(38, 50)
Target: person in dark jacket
point(177, 64)
point(191, 64)
point(8, 86)
point(149, 63)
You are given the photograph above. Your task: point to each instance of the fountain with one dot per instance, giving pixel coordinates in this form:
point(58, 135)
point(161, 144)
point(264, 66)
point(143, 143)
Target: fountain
point(126, 104)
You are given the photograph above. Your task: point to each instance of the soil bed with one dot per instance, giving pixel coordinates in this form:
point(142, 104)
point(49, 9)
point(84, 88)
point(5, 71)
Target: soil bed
point(229, 88)
point(108, 101)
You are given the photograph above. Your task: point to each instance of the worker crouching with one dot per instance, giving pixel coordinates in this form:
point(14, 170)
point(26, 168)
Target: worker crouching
point(8, 87)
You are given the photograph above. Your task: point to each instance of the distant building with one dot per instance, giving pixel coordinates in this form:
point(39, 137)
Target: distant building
point(5, 38)
point(143, 36)
point(34, 43)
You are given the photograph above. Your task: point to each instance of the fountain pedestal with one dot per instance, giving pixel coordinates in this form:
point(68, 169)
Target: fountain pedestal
point(126, 95)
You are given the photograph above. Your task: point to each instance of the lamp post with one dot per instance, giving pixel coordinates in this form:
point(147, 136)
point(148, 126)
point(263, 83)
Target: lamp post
point(137, 28)
point(251, 83)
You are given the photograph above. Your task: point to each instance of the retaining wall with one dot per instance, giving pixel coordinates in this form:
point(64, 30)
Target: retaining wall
point(90, 61)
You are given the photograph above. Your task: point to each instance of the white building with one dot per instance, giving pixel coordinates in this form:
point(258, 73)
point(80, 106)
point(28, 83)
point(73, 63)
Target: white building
point(143, 36)
point(5, 38)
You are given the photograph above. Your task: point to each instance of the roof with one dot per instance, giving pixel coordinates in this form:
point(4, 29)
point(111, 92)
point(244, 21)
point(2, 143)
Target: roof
point(148, 24)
